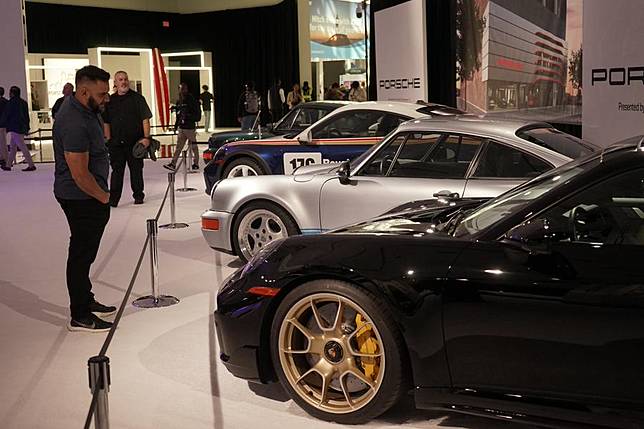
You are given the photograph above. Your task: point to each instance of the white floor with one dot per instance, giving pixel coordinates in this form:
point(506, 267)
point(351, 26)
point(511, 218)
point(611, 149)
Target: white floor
point(164, 365)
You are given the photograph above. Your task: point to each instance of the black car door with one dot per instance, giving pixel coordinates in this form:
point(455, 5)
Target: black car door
point(556, 306)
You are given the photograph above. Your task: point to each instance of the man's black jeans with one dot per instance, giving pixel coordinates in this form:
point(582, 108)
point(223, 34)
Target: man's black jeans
point(87, 220)
point(121, 154)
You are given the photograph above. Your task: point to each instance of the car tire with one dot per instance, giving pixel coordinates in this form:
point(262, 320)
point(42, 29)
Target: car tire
point(242, 167)
point(380, 382)
point(258, 224)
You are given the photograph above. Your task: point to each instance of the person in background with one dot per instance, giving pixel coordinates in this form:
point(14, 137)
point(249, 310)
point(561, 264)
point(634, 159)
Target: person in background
point(248, 106)
point(276, 100)
point(80, 186)
point(4, 155)
point(357, 93)
point(206, 105)
point(15, 118)
point(334, 93)
point(68, 90)
point(306, 91)
point(188, 114)
point(127, 121)
point(294, 97)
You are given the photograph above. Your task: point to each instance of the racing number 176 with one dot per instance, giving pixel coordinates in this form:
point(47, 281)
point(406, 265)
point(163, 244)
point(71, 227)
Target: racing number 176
point(299, 162)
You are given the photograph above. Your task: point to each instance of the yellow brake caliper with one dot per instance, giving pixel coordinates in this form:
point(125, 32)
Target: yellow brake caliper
point(367, 343)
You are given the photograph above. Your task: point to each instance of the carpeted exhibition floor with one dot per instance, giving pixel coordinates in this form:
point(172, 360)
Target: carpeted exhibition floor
point(164, 366)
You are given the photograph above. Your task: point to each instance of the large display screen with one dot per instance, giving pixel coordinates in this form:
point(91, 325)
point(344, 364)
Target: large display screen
point(520, 59)
point(337, 33)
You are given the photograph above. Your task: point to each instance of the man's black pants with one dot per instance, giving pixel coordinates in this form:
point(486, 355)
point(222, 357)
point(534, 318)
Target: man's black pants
point(87, 220)
point(121, 154)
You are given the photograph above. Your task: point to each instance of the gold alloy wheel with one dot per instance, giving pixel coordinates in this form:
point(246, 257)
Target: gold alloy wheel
point(331, 353)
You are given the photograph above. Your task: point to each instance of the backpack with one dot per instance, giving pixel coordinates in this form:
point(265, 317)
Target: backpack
point(251, 102)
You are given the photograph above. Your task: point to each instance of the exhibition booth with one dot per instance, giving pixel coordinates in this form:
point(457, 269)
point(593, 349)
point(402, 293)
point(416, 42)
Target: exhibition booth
point(461, 250)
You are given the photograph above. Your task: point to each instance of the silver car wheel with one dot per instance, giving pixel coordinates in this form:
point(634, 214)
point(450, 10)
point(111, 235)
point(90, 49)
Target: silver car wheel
point(242, 170)
point(257, 229)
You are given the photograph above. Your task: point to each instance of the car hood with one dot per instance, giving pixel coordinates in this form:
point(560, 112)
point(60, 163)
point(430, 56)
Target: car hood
point(230, 134)
point(419, 218)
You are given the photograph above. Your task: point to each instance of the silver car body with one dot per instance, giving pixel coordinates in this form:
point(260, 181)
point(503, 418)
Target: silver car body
point(317, 201)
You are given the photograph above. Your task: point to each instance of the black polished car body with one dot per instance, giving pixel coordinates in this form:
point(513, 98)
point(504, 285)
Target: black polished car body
point(528, 307)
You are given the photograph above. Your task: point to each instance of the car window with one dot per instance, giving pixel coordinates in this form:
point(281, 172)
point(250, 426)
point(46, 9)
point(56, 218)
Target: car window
point(308, 116)
point(381, 162)
point(286, 122)
point(558, 141)
point(435, 156)
point(414, 158)
point(516, 199)
point(358, 123)
point(611, 212)
point(499, 160)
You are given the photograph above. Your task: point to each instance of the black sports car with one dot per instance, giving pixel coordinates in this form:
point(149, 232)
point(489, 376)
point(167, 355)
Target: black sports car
point(528, 307)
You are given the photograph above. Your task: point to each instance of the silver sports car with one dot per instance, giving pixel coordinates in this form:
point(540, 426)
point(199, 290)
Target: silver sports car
point(461, 156)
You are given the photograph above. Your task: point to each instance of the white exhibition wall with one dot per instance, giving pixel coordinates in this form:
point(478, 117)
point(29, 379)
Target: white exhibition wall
point(401, 52)
point(613, 62)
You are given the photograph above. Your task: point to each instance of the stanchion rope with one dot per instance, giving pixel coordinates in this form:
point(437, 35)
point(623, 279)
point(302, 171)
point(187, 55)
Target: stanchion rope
point(119, 314)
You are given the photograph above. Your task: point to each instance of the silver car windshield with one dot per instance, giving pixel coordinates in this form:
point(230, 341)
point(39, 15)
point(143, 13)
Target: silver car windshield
point(514, 200)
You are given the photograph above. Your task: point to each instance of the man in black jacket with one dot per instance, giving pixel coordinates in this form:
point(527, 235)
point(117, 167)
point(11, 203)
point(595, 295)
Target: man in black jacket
point(68, 89)
point(15, 118)
point(127, 121)
point(188, 114)
point(4, 155)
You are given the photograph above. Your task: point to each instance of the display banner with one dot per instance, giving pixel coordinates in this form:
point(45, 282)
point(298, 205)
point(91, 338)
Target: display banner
point(401, 52)
point(520, 59)
point(338, 30)
point(161, 88)
point(59, 71)
point(613, 72)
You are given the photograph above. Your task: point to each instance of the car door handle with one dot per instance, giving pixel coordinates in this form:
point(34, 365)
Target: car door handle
point(447, 194)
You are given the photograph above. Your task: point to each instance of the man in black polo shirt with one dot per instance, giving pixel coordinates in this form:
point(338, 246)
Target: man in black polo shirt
point(80, 186)
point(127, 120)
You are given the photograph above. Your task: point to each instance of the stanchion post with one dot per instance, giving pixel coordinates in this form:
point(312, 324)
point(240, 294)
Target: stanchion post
point(173, 218)
point(99, 380)
point(155, 300)
point(191, 161)
point(185, 175)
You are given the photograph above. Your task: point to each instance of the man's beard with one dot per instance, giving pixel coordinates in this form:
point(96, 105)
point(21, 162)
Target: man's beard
point(94, 106)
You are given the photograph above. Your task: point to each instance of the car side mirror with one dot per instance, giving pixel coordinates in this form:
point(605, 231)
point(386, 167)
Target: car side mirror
point(448, 195)
point(344, 173)
point(307, 138)
point(533, 236)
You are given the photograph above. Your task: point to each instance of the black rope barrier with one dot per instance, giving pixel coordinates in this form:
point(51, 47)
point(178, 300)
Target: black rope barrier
point(98, 381)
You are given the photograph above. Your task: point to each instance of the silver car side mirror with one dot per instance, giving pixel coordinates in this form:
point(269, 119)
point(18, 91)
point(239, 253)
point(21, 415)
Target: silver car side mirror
point(344, 173)
point(307, 138)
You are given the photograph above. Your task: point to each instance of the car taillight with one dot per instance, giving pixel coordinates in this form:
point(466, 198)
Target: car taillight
point(207, 156)
point(210, 224)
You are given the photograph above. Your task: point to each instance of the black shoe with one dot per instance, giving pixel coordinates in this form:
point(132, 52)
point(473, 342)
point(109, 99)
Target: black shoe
point(101, 310)
point(5, 168)
point(90, 323)
point(3, 162)
point(195, 167)
point(170, 167)
point(32, 168)
point(138, 201)
point(114, 203)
